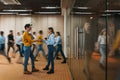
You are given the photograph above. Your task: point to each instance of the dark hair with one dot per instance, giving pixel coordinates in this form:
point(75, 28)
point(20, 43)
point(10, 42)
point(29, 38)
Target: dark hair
point(40, 32)
point(1, 32)
point(11, 30)
point(34, 33)
point(23, 31)
point(51, 29)
point(58, 33)
point(27, 26)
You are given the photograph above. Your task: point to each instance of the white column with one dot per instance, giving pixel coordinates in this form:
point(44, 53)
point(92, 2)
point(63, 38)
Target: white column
point(65, 32)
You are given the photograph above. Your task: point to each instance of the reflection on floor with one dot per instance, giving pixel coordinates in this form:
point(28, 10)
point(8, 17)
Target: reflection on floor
point(15, 71)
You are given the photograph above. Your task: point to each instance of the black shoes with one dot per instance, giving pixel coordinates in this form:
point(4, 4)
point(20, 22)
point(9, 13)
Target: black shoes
point(57, 58)
point(27, 72)
point(9, 60)
point(50, 72)
point(63, 62)
point(46, 68)
point(35, 70)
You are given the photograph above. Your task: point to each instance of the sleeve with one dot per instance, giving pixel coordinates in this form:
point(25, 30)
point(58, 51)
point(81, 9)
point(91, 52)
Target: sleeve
point(57, 41)
point(50, 40)
point(99, 39)
point(24, 38)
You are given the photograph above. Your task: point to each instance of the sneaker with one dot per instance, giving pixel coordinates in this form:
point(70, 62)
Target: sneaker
point(50, 72)
point(9, 60)
point(35, 70)
point(63, 62)
point(46, 68)
point(27, 72)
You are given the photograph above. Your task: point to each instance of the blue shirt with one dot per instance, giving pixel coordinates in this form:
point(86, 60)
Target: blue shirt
point(58, 40)
point(2, 39)
point(50, 40)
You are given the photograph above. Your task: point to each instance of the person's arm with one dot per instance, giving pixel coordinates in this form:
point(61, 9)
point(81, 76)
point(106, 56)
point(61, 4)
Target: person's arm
point(57, 41)
point(50, 40)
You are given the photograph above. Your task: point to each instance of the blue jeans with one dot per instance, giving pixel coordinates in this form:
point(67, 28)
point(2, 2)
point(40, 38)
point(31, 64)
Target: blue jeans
point(40, 48)
point(59, 49)
point(22, 48)
point(103, 53)
point(50, 56)
point(27, 54)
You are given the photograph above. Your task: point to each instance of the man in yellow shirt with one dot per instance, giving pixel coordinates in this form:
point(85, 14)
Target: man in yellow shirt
point(40, 44)
point(27, 40)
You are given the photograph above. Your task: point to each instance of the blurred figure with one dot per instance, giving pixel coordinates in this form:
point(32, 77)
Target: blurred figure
point(115, 46)
point(88, 48)
point(2, 46)
point(11, 43)
point(40, 45)
point(18, 43)
point(34, 43)
point(50, 43)
point(27, 40)
point(102, 48)
point(58, 45)
point(22, 45)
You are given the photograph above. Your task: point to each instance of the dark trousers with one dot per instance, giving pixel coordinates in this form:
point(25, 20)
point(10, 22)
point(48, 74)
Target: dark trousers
point(2, 51)
point(10, 46)
point(19, 49)
point(34, 46)
point(50, 56)
point(59, 49)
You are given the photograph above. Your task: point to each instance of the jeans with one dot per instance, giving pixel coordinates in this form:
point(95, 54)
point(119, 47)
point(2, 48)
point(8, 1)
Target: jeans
point(22, 48)
point(27, 54)
point(19, 49)
point(50, 56)
point(59, 49)
point(40, 48)
point(103, 53)
point(2, 50)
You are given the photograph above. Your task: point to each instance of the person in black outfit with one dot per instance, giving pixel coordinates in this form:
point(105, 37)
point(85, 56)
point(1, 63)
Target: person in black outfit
point(10, 42)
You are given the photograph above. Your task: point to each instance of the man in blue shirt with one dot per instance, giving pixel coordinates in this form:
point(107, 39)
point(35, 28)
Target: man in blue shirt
point(2, 46)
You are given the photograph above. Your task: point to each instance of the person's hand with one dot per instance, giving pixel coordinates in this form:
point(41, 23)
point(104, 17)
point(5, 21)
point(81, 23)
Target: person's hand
point(45, 38)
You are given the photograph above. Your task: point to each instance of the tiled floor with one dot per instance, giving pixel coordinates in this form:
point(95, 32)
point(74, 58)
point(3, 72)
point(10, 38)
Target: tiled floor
point(15, 71)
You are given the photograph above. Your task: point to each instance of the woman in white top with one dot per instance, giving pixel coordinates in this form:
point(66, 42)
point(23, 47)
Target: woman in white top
point(102, 47)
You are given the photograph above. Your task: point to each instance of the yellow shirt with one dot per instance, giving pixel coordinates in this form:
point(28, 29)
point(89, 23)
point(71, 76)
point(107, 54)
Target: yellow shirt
point(27, 39)
point(40, 38)
point(116, 43)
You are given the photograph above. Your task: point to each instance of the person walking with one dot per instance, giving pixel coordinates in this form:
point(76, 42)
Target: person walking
point(58, 45)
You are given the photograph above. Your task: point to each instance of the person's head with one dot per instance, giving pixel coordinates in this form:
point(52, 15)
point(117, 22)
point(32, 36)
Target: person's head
point(1, 33)
point(23, 32)
point(58, 34)
point(34, 33)
point(18, 33)
point(41, 32)
point(28, 27)
point(11, 31)
point(103, 32)
point(87, 26)
point(50, 30)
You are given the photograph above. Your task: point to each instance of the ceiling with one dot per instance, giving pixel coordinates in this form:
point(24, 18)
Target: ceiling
point(94, 6)
point(97, 6)
point(34, 5)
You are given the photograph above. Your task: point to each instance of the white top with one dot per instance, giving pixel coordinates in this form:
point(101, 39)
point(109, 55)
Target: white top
point(18, 40)
point(58, 40)
point(34, 36)
point(102, 39)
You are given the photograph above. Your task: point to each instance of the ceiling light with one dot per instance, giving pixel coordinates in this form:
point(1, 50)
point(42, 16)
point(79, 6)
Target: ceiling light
point(24, 14)
point(50, 7)
point(2, 13)
point(47, 12)
point(17, 10)
point(82, 13)
point(82, 7)
point(112, 10)
point(10, 2)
